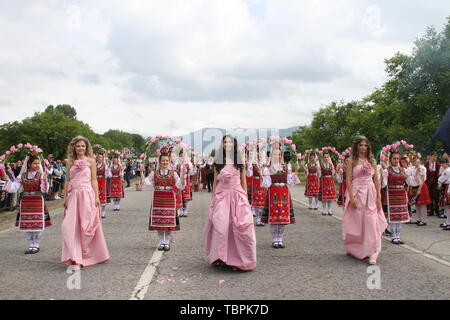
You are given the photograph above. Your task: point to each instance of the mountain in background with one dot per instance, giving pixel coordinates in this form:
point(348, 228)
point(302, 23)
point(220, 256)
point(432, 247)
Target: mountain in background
point(207, 139)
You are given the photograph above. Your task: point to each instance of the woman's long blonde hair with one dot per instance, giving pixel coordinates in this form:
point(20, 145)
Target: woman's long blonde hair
point(355, 151)
point(71, 151)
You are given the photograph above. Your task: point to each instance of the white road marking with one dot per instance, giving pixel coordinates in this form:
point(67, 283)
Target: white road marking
point(426, 255)
point(144, 282)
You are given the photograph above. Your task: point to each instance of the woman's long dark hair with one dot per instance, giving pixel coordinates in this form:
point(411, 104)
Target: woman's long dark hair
point(220, 160)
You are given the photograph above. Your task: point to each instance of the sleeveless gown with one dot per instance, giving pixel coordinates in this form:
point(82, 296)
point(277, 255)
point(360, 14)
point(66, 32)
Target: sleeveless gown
point(363, 226)
point(83, 239)
point(230, 233)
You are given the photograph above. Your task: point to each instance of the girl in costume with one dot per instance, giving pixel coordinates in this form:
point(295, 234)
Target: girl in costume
point(230, 234)
point(259, 193)
point(102, 171)
point(83, 239)
point(327, 187)
point(278, 210)
point(341, 176)
point(312, 189)
point(418, 191)
point(163, 212)
point(396, 199)
point(444, 183)
point(33, 216)
point(174, 166)
point(116, 173)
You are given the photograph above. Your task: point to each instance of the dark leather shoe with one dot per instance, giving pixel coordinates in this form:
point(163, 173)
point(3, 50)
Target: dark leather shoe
point(275, 245)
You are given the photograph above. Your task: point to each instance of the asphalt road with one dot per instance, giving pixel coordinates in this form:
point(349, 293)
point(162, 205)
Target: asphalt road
point(312, 266)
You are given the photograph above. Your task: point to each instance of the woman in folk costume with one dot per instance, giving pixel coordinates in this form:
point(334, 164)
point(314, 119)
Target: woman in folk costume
point(278, 210)
point(396, 200)
point(195, 178)
point(249, 160)
point(312, 189)
point(33, 216)
point(83, 239)
point(230, 237)
point(418, 190)
point(327, 187)
point(341, 176)
point(173, 165)
point(163, 212)
point(444, 185)
point(364, 221)
point(259, 194)
point(116, 172)
point(187, 192)
point(102, 171)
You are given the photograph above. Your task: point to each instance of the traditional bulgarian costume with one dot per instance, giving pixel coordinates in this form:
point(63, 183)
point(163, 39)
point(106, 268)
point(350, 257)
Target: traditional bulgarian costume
point(102, 170)
point(33, 216)
point(116, 191)
point(395, 201)
point(327, 187)
point(163, 212)
point(312, 189)
point(278, 210)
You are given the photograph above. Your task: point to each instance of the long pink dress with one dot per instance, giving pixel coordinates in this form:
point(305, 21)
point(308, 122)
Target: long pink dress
point(230, 233)
point(364, 226)
point(83, 239)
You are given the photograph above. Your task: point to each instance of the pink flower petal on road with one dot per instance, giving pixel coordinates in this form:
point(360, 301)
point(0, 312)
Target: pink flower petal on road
point(221, 281)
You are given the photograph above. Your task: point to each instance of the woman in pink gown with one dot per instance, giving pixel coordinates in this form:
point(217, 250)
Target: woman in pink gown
point(83, 240)
point(230, 234)
point(364, 221)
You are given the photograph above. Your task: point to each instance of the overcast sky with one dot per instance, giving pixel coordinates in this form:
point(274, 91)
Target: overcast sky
point(175, 66)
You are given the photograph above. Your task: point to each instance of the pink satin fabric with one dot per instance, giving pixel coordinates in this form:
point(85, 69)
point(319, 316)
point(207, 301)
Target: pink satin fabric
point(364, 226)
point(83, 239)
point(230, 233)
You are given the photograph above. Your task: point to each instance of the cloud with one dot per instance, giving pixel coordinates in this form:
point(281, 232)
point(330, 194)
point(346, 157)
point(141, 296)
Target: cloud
point(177, 66)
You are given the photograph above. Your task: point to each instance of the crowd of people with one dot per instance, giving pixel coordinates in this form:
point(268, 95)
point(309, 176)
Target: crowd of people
point(248, 190)
point(56, 176)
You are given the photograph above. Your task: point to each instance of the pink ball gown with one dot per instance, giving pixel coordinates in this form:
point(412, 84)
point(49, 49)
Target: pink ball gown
point(230, 233)
point(363, 226)
point(83, 239)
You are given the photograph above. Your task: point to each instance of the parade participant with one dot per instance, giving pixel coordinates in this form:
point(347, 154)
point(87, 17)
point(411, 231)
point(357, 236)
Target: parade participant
point(396, 200)
point(83, 239)
point(259, 193)
point(444, 183)
point(203, 174)
point(341, 174)
point(195, 178)
point(163, 212)
point(418, 190)
point(186, 192)
point(364, 221)
point(173, 165)
point(209, 173)
point(278, 210)
point(443, 164)
point(230, 237)
point(115, 172)
point(102, 170)
point(33, 216)
point(312, 189)
point(432, 175)
point(327, 187)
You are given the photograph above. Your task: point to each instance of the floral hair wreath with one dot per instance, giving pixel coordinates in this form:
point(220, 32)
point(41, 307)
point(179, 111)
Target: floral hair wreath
point(400, 147)
point(29, 149)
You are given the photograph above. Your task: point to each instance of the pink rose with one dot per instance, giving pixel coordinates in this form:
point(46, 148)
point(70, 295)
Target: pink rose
point(419, 156)
point(299, 156)
point(20, 146)
point(8, 153)
point(12, 149)
point(293, 147)
point(158, 151)
point(28, 146)
point(411, 146)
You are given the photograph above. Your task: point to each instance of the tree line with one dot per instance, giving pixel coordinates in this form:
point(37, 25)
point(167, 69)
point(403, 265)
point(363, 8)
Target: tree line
point(408, 106)
point(53, 129)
